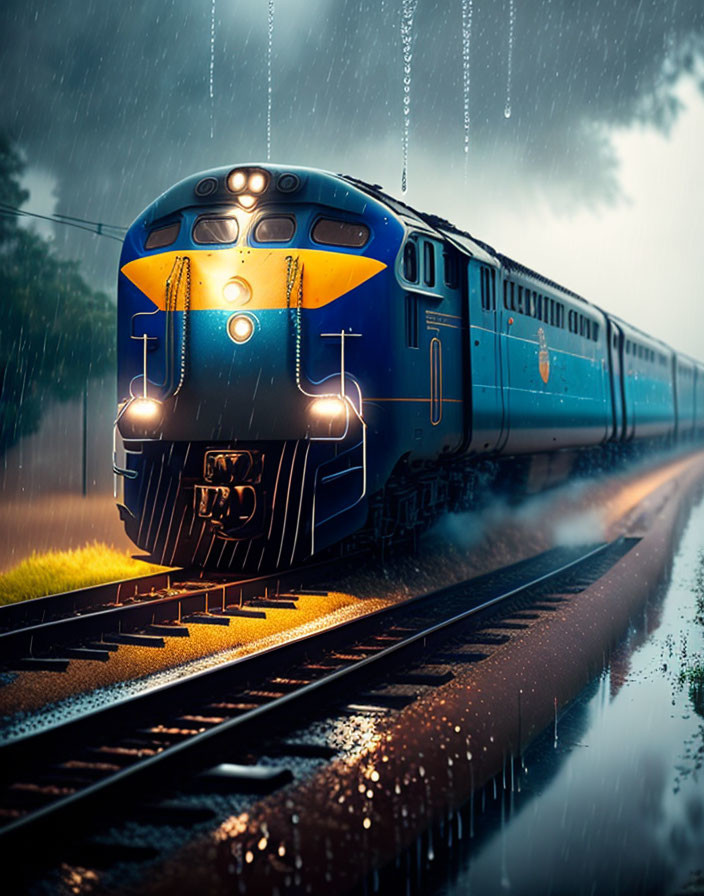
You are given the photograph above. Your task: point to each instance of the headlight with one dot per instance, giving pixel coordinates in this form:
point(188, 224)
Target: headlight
point(257, 182)
point(236, 180)
point(247, 201)
point(328, 408)
point(240, 328)
point(140, 418)
point(144, 409)
point(237, 291)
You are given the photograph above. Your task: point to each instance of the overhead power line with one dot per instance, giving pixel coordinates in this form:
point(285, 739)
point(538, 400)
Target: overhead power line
point(99, 228)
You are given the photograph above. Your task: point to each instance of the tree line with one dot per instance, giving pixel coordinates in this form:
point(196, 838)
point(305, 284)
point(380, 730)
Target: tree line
point(56, 332)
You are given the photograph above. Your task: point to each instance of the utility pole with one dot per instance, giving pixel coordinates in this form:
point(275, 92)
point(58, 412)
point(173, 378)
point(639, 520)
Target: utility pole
point(85, 438)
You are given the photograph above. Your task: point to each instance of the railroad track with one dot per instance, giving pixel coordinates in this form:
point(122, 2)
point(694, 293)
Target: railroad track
point(88, 624)
point(90, 767)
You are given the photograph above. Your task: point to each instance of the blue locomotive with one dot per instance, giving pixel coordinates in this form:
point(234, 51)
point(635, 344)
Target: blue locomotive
point(302, 358)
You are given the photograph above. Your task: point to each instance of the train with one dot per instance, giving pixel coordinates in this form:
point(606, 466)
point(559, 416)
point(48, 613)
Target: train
point(306, 363)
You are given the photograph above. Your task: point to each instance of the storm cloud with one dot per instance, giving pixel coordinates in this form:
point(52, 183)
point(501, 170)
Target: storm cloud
point(112, 99)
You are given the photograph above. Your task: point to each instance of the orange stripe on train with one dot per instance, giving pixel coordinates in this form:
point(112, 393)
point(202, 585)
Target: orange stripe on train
point(326, 276)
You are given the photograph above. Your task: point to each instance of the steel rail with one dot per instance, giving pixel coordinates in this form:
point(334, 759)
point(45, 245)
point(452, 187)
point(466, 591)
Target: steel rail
point(202, 748)
point(88, 613)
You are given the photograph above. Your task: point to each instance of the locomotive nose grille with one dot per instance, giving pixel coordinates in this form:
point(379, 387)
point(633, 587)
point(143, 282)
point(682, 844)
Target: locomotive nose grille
point(232, 467)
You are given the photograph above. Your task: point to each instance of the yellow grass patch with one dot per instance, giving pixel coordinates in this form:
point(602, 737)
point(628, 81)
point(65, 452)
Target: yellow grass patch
point(58, 571)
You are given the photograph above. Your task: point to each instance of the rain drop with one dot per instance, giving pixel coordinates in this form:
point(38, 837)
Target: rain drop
point(555, 729)
point(509, 71)
point(467, 11)
point(407, 13)
point(270, 42)
point(212, 68)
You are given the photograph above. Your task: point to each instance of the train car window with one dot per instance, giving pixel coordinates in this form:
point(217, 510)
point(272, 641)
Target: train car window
point(412, 320)
point(410, 262)
point(512, 290)
point(572, 321)
point(493, 289)
point(538, 308)
point(506, 305)
point(275, 229)
point(449, 260)
point(162, 236)
point(560, 314)
point(595, 331)
point(519, 300)
point(215, 230)
point(428, 263)
point(340, 233)
point(531, 302)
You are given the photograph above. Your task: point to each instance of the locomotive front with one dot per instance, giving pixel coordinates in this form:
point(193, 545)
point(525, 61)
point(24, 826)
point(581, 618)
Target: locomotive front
point(250, 324)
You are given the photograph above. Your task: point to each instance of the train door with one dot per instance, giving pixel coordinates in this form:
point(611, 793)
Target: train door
point(432, 383)
point(616, 377)
point(629, 382)
point(442, 307)
point(488, 421)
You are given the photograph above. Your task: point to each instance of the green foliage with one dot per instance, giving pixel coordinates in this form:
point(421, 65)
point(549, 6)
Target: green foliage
point(60, 571)
point(699, 589)
point(55, 331)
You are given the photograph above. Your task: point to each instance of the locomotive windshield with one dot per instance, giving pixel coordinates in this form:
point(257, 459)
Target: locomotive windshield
point(275, 229)
point(216, 230)
point(330, 232)
point(162, 236)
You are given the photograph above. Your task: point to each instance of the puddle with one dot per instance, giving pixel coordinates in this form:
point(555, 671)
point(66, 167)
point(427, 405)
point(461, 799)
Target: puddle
point(615, 802)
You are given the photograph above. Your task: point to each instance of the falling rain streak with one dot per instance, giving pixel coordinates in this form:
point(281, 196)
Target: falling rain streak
point(212, 68)
point(408, 10)
point(270, 43)
point(467, 10)
point(509, 72)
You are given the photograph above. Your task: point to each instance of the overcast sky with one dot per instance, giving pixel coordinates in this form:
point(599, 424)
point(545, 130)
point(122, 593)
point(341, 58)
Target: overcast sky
point(595, 179)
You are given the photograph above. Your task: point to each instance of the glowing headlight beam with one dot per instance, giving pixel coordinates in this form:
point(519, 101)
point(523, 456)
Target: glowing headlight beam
point(236, 180)
point(240, 328)
point(237, 291)
point(144, 409)
point(257, 182)
point(247, 201)
point(328, 408)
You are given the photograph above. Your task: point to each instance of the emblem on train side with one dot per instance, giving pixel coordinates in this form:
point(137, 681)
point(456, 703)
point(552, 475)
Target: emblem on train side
point(543, 356)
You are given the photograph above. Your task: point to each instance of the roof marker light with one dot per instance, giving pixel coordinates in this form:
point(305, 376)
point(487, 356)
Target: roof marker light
point(257, 182)
point(236, 180)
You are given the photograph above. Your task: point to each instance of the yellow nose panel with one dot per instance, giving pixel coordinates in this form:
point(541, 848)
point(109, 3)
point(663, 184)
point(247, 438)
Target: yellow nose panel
point(326, 276)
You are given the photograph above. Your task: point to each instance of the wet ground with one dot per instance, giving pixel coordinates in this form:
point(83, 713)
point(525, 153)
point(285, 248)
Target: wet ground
point(612, 800)
point(462, 546)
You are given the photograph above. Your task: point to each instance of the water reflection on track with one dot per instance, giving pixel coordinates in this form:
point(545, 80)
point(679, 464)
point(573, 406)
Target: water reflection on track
point(615, 803)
